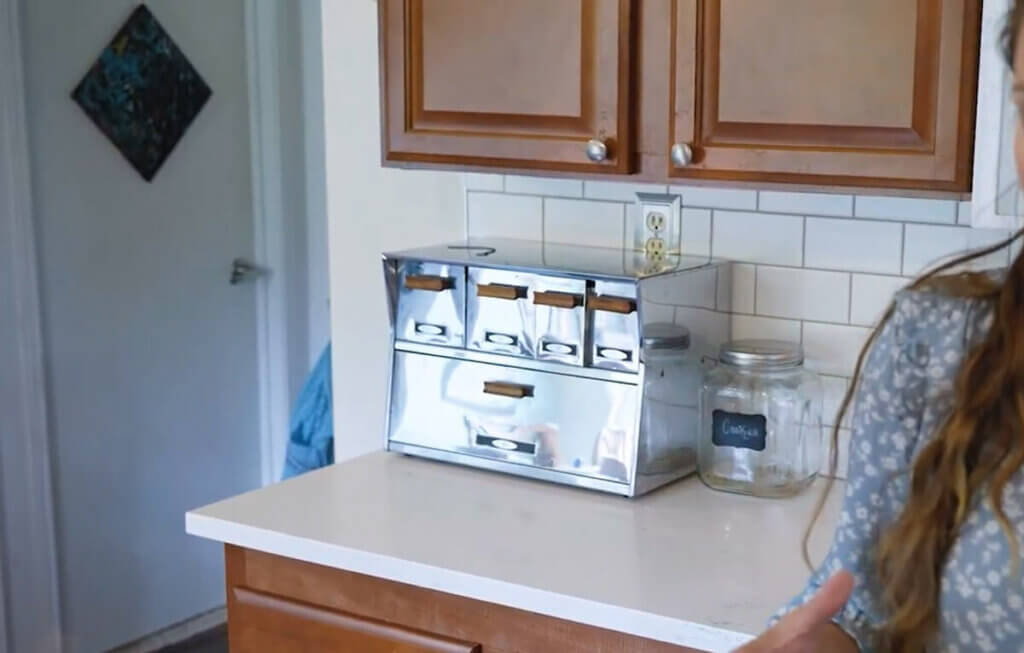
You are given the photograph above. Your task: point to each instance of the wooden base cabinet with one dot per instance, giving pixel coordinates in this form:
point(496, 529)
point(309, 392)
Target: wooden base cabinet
point(277, 605)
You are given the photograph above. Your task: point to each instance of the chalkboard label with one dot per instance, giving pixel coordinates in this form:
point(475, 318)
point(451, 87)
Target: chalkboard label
point(739, 430)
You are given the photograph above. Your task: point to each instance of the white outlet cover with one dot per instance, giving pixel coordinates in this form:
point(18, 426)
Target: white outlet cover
point(637, 230)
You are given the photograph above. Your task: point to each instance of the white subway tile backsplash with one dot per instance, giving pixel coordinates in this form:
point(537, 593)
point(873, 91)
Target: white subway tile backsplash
point(856, 245)
point(745, 327)
point(963, 213)
point(739, 279)
point(701, 293)
point(803, 294)
point(653, 313)
point(582, 222)
point(834, 390)
point(544, 186)
point(619, 191)
point(716, 198)
point(906, 209)
point(493, 215)
point(480, 181)
point(832, 348)
point(806, 203)
point(805, 270)
point(927, 245)
point(758, 237)
point(696, 225)
point(703, 323)
point(872, 296)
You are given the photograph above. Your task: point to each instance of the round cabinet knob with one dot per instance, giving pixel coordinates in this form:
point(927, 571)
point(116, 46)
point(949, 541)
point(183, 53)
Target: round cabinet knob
point(682, 155)
point(597, 151)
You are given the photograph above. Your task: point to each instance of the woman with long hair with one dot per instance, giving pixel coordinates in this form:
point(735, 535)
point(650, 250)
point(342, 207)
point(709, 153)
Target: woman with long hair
point(927, 553)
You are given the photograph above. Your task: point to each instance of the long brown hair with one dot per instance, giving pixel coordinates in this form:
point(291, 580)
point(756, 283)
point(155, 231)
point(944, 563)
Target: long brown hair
point(979, 447)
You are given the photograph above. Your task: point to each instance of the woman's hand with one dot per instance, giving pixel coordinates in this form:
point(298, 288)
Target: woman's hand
point(809, 628)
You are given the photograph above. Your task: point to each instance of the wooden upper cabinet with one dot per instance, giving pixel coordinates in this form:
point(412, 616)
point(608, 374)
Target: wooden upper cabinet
point(509, 83)
point(825, 92)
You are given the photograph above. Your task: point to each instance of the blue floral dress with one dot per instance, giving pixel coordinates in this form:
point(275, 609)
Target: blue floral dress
point(905, 394)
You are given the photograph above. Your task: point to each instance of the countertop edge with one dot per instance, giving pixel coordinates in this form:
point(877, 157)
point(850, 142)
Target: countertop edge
point(560, 606)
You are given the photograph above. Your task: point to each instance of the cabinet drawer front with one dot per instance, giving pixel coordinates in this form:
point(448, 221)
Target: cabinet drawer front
point(500, 314)
point(564, 423)
point(517, 84)
point(871, 93)
point(264, 623)
point(560, 319)
point(616, 340)
point(431, 303)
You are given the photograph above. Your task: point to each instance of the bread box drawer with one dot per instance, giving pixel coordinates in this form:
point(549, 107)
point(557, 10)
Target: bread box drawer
point(559, 422)
point(500, 314)
point(431, 303)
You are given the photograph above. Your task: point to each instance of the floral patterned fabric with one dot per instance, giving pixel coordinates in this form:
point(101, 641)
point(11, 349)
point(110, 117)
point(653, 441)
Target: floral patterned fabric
point(905, 394)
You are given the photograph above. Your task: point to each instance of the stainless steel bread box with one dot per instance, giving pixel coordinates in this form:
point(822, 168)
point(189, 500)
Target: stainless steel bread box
point(528, 358)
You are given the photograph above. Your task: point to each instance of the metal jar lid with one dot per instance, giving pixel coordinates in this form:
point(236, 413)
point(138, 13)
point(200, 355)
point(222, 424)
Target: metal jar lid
point(762, 354)
point(665, 335)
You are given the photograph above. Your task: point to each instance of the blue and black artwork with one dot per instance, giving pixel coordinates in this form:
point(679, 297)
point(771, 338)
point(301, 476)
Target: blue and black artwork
point(142, 92)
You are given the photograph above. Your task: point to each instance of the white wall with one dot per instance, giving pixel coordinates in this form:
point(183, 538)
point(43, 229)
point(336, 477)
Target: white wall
point(370, 209)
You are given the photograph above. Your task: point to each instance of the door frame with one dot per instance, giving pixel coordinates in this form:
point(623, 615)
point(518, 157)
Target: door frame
point(27, 524)
point(32, 622)
point(288, 218)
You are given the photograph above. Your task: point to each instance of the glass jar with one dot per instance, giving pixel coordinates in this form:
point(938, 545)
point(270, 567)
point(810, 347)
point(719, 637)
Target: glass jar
point(761, 429)
point(669, 421)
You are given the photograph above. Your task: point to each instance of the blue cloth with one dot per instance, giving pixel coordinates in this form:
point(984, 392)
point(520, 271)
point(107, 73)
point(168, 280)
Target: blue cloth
point(311, 435)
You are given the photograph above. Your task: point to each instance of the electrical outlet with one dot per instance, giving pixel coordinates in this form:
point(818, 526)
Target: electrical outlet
point(655, 225)
point(657, 218)
point(655, 249)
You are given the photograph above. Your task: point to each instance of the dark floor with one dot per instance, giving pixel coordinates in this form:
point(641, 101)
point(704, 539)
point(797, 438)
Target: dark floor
point(212, 641)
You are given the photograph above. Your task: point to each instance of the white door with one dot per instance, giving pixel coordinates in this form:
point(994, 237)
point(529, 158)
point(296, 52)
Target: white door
point(151, 354)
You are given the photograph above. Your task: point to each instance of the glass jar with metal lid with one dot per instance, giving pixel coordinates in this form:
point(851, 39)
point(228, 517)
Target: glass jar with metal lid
point(761, 410)
point(669, 421)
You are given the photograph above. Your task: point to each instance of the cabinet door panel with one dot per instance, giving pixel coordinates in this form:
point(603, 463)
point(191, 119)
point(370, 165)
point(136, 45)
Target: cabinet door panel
point(266, 623)
point(517, 84)
point(858, 92)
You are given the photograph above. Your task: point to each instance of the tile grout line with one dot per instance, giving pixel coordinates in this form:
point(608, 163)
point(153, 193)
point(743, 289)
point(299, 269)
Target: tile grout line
point(803, 253)
point(849, 309)
point(903, 250)
point(757, 273)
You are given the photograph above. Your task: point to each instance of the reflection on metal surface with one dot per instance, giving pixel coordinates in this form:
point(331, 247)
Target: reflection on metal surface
point(499, 315)
point(560, 319)
point(573, 424)
point(520, 362)
point(616, 332)
point(431, 303)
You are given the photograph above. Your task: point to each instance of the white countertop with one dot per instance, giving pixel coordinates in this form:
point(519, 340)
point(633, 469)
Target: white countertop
point(684, 565)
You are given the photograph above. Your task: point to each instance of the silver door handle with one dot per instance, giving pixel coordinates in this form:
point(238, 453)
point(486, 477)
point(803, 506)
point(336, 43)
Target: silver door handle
point(597, 151)
point(243, 271)
point(682, 155)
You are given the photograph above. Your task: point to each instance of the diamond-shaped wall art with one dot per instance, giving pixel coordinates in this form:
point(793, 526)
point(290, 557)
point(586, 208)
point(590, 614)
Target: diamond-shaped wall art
point(142, 93)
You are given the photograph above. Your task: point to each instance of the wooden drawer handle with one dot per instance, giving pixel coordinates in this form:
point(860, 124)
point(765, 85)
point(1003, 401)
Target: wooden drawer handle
point(557, 299)
point(501, 291)
point(609, 304)
point(502, 389)
point(433, 284)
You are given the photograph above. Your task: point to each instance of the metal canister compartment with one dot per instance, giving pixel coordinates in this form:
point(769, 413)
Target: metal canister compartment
point(560, 319)
point(431, 303)
point(499, 313)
